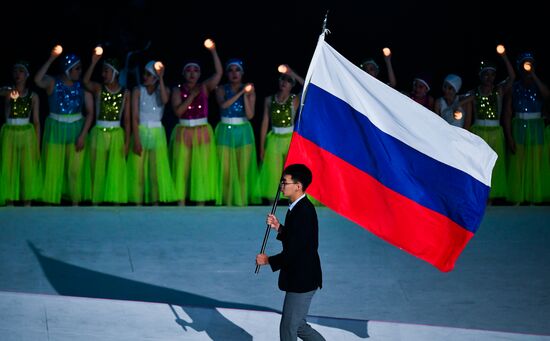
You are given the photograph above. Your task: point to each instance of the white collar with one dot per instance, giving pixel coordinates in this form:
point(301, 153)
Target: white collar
point(291, 206)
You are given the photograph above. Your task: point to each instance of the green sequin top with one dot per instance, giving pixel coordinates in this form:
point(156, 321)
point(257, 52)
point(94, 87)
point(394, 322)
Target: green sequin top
point(487, 107)
point(21, 107)
point(282, 114)
point(110, 105)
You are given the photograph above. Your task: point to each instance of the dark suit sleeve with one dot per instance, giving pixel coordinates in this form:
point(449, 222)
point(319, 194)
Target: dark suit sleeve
point(280, 234)
point(299, 238)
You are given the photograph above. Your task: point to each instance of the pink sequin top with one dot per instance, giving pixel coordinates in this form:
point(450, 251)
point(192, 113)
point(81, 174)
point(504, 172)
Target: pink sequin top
point(199, 106)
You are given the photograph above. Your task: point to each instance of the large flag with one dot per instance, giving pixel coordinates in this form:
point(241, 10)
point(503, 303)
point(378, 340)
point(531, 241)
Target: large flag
point(389, 164)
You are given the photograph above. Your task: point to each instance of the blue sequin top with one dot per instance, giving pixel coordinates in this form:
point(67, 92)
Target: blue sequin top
point(66, 100)
point(526, 98)
point(236, 109)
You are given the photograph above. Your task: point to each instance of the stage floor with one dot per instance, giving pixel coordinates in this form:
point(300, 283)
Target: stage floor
point(187, 273)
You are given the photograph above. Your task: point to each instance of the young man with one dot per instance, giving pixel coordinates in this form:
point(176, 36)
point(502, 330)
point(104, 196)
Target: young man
point(299, 264)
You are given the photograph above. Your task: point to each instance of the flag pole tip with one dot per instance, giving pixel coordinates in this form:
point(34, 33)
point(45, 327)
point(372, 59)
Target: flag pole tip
point(325, 29)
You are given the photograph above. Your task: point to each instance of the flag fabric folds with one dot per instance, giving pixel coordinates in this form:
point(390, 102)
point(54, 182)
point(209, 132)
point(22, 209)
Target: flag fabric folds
point(389, 164)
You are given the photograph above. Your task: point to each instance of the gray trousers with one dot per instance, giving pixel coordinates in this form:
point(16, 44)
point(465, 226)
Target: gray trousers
point(293, 321)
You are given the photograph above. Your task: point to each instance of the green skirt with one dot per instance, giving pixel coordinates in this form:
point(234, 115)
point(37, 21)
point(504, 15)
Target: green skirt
point(194, 163)
point(494, 136)
point(108, 164)
point(66, 171)
point(20, 168)
point(276, 149)
point(238, 168)
point(529, 166)
point(149, 176)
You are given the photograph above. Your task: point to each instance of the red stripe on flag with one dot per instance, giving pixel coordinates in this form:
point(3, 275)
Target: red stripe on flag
point(391, 216)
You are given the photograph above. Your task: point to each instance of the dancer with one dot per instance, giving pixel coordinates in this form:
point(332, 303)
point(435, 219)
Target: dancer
point(149, 177)
point(238, 172)
point(485, 110)
point(279, 112)
point(109, 140)
point(451, 106)
point(66, 171)
point(528, 159)
point(20, 168)
point(370, 66)
point(192, 145)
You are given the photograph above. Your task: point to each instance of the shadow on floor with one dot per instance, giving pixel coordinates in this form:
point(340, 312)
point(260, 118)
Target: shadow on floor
point(72, 280)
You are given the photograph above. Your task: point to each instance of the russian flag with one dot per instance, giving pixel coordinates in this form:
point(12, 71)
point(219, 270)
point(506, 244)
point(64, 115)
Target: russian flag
point(389, 164)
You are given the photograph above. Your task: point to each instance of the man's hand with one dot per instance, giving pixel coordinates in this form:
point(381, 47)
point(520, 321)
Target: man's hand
point(273, 222)
point(262, 259)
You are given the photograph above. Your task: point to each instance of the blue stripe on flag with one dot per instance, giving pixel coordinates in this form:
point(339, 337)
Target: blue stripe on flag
point(338, 128)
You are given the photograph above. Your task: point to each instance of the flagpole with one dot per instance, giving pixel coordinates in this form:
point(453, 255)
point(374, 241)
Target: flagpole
point(325, 24)
point(277, 196)
point(268, 228)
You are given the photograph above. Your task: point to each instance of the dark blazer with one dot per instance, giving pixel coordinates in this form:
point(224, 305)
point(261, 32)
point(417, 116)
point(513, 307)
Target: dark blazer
point(299, 261)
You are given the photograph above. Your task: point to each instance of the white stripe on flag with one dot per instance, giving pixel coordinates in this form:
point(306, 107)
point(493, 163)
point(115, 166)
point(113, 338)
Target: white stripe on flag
point(399, 116)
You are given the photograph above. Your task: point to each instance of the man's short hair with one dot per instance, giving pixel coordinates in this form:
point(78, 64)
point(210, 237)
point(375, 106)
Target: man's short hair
point(300, 173)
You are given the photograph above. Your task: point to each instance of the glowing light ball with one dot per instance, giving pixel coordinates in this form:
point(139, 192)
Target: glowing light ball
point(527, 66)
point(457, 115)
point(248, 88)
point(57, 50)
point(209, 43)
point(386, 51)
point(282, 68)
point(500, 49)
point(14, 94)
point(98, 50)
point(158, 66)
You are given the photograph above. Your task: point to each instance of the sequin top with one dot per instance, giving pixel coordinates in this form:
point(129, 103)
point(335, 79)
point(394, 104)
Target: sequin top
point(198, 108)
point(236, 109)
point(110, 105)
point(21, 107)
point(487, 107)
point(151, 108)
point(526, 98)
point(282, 114)
point(66, 100)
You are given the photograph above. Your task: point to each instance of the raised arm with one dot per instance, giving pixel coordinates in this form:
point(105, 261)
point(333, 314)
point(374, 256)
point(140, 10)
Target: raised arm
point(507, 83)
point(163, 89)
point(41, 79)
point(212, 82)
point(392, 81)
point(90, 85)
point(293, 74)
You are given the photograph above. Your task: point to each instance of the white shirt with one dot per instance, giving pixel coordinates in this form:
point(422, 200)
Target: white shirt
point(291, 206)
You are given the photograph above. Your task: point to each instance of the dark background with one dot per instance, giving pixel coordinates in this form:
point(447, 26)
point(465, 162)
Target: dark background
point(433, 36)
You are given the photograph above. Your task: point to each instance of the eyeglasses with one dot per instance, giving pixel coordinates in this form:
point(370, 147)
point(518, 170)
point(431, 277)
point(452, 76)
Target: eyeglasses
point(287, 183)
